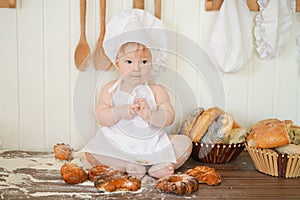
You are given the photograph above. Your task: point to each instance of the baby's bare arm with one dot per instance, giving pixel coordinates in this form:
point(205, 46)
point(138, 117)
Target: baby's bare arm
point(164, 114)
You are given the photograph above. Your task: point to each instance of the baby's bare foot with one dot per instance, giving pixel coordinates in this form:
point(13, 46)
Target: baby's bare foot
point(161, 170)
point(137, 171)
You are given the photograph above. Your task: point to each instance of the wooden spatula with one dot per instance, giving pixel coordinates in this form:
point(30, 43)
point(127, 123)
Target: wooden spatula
point(100, 59)
point(83, 51)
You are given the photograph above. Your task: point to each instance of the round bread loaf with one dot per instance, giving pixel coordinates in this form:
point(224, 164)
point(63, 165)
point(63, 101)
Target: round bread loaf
point(72, 173)
point(177, 184)
point(269, 133)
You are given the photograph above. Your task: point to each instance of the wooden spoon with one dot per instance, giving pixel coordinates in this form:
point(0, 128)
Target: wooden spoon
point(83, 51)
point(100, 59)
point(138, 4)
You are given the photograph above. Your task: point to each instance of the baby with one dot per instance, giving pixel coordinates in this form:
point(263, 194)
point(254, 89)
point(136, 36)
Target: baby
point(133, 110)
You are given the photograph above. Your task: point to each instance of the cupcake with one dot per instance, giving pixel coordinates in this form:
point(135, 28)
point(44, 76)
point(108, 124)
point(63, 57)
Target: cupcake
point(217, 137)
point(273, 146)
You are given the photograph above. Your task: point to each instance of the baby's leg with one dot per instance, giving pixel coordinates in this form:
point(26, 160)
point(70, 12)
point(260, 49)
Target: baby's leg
point(161, 170)
point(182, 146)
point(132, 169)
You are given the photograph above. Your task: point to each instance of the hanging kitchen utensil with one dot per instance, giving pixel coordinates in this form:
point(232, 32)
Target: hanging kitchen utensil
point(157, 9)
point(100, 59)
point(83, 51)
point(138, 4)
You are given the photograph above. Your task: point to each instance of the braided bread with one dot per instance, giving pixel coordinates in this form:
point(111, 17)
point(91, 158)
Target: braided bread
point(72, 173)
point(62, 151)
point(116, 183)
point(205, 174)
point(177, 184)
point(102, 170)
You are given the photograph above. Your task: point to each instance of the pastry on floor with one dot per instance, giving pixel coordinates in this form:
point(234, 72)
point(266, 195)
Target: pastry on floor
point(103, 170)
point(72, 173)
point(177, 184)
point(62, 151)
point(117, 183)
point(205, 174)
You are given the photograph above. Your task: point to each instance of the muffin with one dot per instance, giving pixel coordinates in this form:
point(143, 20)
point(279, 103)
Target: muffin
point(217, 137)
point(273, 146)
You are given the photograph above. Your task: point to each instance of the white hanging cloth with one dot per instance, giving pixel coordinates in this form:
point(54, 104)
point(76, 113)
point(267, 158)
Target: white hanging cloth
point(231, 44)
point(272, 26)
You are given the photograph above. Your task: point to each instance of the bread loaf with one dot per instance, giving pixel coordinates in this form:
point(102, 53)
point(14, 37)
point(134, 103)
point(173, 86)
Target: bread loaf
point(188, 124)
point(218, 130)
point(203, 122)
point(289, 149)
point(237, 135)
point(268, 133)
point(294, 134)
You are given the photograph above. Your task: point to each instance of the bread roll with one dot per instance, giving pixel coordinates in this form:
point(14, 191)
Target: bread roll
point(72, 173)
point(268, 133)
point(62, 151)
point(203, 122)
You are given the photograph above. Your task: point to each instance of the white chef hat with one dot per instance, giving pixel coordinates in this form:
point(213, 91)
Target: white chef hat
point(136, 25)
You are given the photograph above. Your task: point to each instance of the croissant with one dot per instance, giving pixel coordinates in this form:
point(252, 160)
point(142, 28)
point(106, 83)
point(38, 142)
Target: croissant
point(205, 174)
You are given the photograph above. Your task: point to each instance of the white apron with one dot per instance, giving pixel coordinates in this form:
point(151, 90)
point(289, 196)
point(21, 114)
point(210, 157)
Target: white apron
point(133, 140)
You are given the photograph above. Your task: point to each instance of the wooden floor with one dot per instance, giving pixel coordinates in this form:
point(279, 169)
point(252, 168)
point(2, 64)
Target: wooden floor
point(36, 176)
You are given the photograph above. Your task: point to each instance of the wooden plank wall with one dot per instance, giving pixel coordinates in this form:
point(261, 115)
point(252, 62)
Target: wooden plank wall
point(38, 74)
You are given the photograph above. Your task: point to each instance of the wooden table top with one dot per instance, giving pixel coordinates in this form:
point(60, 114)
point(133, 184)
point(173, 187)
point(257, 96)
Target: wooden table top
point(240, 180)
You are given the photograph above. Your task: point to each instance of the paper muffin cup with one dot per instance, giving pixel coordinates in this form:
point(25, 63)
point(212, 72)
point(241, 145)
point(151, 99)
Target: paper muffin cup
point(216, 153)
point(275, 164)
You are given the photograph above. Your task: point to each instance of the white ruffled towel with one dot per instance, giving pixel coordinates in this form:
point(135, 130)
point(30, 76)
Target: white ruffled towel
point(231, 44)
point(272, 28)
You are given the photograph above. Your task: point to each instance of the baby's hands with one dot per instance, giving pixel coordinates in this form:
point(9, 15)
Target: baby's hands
point(125, 112)
point(142, 109)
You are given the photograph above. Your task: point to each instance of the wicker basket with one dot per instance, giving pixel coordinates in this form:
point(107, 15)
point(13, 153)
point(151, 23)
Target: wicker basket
point(275, 164)
point(217, 153)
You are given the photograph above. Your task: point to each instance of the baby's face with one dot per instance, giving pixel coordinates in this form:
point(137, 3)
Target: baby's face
point(135, 66)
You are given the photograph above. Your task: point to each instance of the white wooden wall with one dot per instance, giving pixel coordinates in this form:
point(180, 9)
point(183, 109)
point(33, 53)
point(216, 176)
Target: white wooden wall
point(38, 75)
